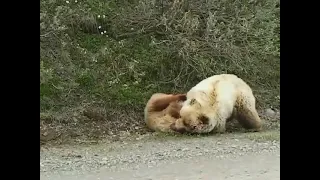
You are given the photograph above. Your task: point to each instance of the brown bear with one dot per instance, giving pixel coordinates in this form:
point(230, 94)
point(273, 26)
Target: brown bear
point(216, 100)
point(162, 110)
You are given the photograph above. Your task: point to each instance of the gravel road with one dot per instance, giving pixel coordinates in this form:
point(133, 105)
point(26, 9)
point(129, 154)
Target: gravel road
point(225, 157)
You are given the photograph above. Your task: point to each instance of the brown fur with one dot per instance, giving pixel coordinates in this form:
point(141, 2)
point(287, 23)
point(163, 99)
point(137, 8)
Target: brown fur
point(162, 110)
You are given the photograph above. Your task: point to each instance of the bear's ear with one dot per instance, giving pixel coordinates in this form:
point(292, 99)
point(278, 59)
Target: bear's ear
point(204, 119)
point(193, 101)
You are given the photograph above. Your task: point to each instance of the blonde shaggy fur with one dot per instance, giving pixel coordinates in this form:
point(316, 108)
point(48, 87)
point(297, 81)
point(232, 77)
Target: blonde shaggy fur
point(162, 110)
point(216, 100)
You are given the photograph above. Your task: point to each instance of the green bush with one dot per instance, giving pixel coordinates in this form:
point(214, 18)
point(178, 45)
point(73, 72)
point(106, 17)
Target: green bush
point(117, 53)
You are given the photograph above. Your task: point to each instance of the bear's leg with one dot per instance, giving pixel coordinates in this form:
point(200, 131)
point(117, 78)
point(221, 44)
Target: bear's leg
point(247, 114)
point(221, 128)
point(163, 101)
point(174, 109)
point(217, 123)
point(233, 116)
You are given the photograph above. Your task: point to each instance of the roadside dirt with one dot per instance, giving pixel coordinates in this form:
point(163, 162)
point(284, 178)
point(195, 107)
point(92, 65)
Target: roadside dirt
point(158, 156)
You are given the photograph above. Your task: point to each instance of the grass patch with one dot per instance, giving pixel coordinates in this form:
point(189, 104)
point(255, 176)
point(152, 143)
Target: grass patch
point(272, 135)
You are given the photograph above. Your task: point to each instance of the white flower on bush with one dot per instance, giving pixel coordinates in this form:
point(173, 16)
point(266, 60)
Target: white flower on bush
point(75, 1)
point(99, 27)
point(98, 16)
point(67, 2)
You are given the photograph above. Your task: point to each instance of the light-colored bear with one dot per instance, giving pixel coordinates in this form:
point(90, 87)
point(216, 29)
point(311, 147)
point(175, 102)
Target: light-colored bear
point(214, 101)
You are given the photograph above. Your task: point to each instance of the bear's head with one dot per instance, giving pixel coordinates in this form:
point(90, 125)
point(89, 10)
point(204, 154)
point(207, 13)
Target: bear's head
point(192, 119)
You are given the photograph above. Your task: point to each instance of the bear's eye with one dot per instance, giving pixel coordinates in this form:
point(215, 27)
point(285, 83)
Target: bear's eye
point(204, 119)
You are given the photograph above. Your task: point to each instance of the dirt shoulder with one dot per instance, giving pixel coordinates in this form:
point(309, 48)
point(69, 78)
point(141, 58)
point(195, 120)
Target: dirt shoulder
point(226, 156)
point(80, 130)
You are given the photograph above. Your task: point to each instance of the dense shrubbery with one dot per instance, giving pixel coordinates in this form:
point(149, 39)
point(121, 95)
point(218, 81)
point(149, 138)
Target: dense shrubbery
point(115, 54)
